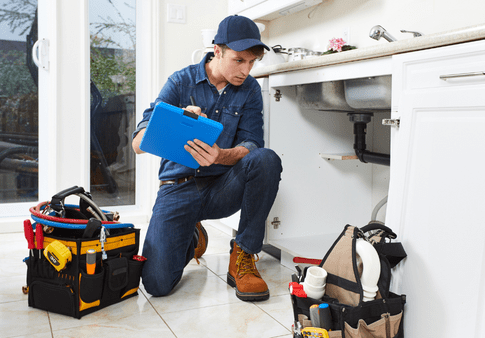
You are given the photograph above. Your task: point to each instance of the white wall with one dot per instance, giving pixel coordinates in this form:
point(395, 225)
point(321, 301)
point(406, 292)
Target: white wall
point(180, 40)
point(333, 16)
point(169, 48)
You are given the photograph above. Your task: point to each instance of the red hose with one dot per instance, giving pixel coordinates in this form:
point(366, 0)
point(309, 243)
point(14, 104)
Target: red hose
point(36, 211)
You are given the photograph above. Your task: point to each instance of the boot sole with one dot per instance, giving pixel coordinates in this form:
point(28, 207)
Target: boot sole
point(247, 296)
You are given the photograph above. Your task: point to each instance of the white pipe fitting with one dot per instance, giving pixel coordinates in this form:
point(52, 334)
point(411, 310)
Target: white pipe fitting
point(371, 268)
point(315, 282)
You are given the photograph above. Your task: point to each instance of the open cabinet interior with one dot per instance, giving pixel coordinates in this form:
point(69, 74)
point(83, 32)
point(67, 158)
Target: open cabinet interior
point(323, 186)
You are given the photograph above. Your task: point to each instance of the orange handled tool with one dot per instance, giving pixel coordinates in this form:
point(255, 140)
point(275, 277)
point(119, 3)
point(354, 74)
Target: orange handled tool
point(29, 235)
point(91, 261)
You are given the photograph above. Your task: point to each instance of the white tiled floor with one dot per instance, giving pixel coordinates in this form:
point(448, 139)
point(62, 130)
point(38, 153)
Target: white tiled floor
point(202, 305)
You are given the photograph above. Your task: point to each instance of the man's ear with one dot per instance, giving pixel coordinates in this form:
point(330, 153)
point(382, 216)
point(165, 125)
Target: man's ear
point(217, 51)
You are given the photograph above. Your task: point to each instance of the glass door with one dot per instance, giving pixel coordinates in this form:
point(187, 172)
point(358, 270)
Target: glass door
point(112, 27)
point(19, 109)
point(69, 120)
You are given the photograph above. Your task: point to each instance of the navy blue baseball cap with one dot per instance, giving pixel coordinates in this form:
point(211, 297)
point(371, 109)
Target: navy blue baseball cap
point(238, 33)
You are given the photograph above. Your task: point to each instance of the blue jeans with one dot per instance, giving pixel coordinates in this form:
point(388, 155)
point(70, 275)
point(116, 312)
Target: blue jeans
point(250, 185)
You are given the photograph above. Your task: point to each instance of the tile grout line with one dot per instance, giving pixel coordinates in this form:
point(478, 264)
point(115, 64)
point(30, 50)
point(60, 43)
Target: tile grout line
point(276, 320)
point(159, 315)
point(50, 324)
point(254, 303)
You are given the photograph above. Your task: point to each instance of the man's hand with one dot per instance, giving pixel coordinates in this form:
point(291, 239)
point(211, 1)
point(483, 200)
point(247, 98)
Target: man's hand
point(204, 154)
point(196, 110)
point(136, 142)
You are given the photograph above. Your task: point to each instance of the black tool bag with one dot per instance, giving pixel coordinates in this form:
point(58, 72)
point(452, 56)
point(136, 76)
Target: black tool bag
point(72, 291)
point(351, 316)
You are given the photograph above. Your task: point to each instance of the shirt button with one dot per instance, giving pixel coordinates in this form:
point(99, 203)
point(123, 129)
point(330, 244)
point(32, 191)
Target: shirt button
point(235, 113)
point(224, 92)
point(217, 111)
point(198, 170)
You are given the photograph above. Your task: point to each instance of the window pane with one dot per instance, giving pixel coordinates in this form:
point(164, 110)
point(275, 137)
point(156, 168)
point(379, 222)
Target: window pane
point(19, 113)
point(112, 31)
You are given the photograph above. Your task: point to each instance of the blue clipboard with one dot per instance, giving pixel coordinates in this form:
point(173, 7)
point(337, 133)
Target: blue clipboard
point(169, 129)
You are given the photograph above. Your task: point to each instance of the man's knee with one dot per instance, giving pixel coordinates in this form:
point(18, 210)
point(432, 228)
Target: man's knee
point(156, 290)
point(158, 274)
point(266, 159)
point(156, 284)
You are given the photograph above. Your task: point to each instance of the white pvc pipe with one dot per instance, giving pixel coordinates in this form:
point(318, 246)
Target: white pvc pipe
point(371, 268)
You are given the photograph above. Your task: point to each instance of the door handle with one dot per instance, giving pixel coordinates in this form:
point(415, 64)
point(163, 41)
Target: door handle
point(454, 76)
point(40, 54)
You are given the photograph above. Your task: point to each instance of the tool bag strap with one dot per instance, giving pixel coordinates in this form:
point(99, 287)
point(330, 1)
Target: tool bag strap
point(343, 278)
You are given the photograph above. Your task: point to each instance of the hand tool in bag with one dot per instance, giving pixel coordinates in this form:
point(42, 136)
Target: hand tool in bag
point(314, 332)
point(325, 316)
point(314, 316)
point(297, 290)
point(297, 330)
point(91, 261)
point(139, 258)
point(29, 235)
point(39, 236)
point(58, 255)
point(102, 240)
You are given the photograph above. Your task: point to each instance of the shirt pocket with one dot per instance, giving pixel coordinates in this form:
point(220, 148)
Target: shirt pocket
point(230, 121)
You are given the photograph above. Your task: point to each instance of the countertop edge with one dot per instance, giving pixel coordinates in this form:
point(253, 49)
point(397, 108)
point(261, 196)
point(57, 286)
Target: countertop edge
point(386, 49)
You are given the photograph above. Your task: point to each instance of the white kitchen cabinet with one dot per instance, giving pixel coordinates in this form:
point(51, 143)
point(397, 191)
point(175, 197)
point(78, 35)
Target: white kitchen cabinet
point(437, 189)
point(268, 9)
point(237, 6)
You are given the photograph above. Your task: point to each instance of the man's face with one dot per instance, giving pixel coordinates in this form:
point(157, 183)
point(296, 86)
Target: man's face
point(235, 66)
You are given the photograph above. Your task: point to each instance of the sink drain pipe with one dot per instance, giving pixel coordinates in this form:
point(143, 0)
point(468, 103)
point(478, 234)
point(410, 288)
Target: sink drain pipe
point(360, 121)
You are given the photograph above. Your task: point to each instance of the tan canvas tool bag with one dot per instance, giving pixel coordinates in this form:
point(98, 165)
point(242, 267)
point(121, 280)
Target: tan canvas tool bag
point(352, 315)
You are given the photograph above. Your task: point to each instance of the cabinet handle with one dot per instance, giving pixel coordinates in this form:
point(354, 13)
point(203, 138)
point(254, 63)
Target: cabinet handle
point(391, 122)
point(453, 76)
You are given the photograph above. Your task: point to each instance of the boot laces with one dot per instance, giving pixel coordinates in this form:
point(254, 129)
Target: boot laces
point(246, 263)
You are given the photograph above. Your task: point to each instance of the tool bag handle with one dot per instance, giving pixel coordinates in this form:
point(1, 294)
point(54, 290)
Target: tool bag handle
point(393, 251)
point(57, 202)
point(379, 226)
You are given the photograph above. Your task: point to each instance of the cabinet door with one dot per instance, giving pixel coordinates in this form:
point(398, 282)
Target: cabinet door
point(437, 190)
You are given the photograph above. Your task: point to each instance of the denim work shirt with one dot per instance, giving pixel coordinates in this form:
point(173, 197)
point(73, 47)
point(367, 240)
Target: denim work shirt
point(238, 108)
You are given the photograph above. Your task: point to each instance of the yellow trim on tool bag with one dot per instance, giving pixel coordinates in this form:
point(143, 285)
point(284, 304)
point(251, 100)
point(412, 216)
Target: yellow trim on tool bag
point(130, 292)
point(82, 305)
point(112, 243)
point(70, 244)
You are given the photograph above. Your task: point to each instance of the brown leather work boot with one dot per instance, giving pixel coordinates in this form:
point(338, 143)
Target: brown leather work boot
point(244, 276)
point(202, 241)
